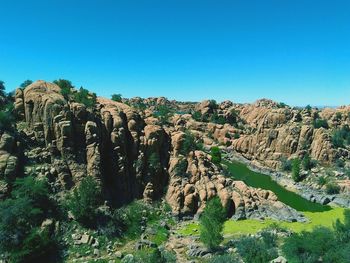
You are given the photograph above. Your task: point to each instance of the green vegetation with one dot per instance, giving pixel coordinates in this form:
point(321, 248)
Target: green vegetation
point(320, 123)
point(341, 137)
point(117, 97)
point(259, 250)
point(218, 119)
point(322, 180)
point(26, 83)
point(163, 113)
point(286, 165)
point(189, 144)
point(296, 170)
point(321, 244)
point(308, 163)
point(2, 88)
point(225, 258)
point(212, 223)
point(21, 216)
point(85, 97)
point(66, 87)
point(85, 200)
point(6, 109)
point(215, 153)
point(332, 188)
point(180, 168)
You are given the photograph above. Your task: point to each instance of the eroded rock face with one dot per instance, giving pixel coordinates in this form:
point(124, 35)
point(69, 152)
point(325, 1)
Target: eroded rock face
point(112, 143)
point(189, 191)
point(8, 162)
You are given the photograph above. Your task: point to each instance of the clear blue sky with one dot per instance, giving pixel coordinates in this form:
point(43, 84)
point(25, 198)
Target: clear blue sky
point(295, 51)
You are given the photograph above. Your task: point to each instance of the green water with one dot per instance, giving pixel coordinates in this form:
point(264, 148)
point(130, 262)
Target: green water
point(241, 172)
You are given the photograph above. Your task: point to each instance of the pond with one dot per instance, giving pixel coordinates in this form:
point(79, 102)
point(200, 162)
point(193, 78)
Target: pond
point(240, 171)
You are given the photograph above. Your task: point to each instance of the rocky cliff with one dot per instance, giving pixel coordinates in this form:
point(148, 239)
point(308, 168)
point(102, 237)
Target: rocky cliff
point(134, 157)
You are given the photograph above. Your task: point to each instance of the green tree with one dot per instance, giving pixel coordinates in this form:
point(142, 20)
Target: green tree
point(215, 155)
point(85, 97)
point(307, 162)
point(296, 170)
point(66, 87)
point(163, 113)
point(26, 83)
point(188, 144)
point(212, 222)
point(117, 97)
point(85, 200)
point(2, 88)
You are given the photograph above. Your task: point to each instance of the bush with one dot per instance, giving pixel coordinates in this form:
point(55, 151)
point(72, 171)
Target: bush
point(308, 246)
point(21, 214)
point(320, 123)
point(188, 144)
point(341, 137)
point(117, 97)
point(2, 88)
point(226, 258)
point(218, 119)
point(212, 223)
point(296, 170)
point(307, 162)
point(181, 168)
point(163, 113)
point(6, 120)
point(339, 163)
point(253, 249)
point(85, 200)
point(321, 244)
point(197, 116)
point(66, 87)
point(322, 180)
point(83, 96)
point(286, 165)
point(332, 188)
point(215, 155)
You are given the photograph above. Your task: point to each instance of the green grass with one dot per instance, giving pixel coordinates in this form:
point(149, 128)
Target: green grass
point(251, 226)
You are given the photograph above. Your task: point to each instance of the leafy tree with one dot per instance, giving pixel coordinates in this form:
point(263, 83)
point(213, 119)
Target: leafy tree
point(212, 222)
point(66, 87)
point(26, 83)
point(308, 108)
point(341, 137)
point(181, 167)
point(83, 96)
point(6, 119)
point(215, 155)
point(188, 144)
point(117, 97)
point(197, 116)
point(85, 200)
point(2, 88)
point(296, 170)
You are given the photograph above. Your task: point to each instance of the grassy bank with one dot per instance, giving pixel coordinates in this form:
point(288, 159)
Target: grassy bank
point(251, 226)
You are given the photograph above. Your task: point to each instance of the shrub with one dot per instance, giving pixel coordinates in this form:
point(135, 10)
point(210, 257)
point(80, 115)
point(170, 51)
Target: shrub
point(181, 167)
point(83, 96)
point(236, 135)
point(2, 88)
point(117, 97)
point(339, 163)
point(296, 170)
point(188, 144)
point(85, 200)
point(225, 258)
point(66, 87)
point(215, 155)
point(218, 119)
point(6, 120)
point(308, 246)
point(21, 214)
point(332, 188)
point(307, 162)
point(341, 137)
point(286, 165)
point(212, 223)
point(163, 113)
point(322, 180)
point(318, 123)
point(253, 249)
point(197, 116)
